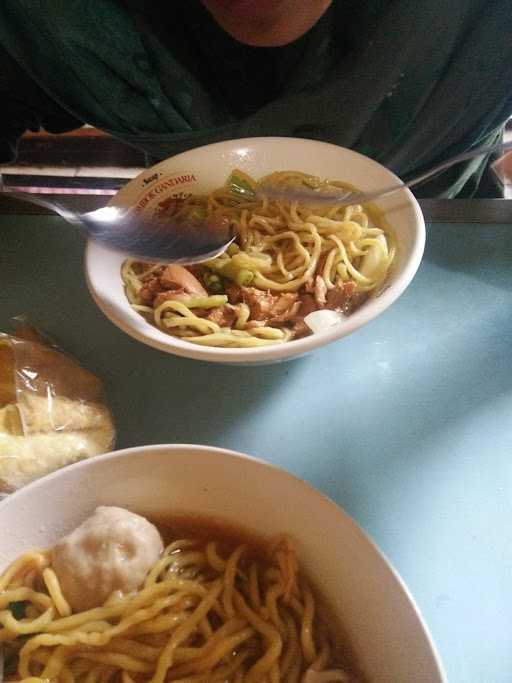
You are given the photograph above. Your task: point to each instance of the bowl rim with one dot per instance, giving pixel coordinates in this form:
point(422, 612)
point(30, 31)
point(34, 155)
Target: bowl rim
point(145, 332)
point(189, 450)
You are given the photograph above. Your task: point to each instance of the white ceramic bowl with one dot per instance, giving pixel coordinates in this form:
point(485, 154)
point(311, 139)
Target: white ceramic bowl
point(383, 626)
point(205, 168)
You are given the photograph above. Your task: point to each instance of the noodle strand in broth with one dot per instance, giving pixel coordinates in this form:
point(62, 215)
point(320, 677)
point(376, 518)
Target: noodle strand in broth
point(203, 614)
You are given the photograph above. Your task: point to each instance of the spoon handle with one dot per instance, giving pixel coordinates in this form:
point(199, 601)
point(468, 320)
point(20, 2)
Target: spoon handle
point(472, 154)
point(362, 197)
point(345, 197)
point(37, 201)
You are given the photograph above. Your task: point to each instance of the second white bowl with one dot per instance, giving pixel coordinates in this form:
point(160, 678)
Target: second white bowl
point(377, 614)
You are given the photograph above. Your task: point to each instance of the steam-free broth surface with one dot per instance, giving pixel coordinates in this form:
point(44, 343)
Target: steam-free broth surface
point(186, 599)
point(228, 536)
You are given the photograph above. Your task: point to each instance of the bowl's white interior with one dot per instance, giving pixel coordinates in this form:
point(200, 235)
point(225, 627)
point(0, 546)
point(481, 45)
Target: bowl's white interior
point(380, 619)
point(210, 167)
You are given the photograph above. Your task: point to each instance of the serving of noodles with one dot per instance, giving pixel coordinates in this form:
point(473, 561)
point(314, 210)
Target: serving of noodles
point(288, 260)
point(202, 614)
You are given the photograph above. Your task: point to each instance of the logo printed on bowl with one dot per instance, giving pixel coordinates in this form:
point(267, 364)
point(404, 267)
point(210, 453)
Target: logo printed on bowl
point(150, 179)
point(165, 189)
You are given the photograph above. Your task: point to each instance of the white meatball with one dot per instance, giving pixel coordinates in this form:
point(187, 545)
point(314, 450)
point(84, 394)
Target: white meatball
point(113, 550)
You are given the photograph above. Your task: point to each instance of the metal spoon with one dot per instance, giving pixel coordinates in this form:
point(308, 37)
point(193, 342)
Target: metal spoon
point(196, 239)
point(184, 240)
point(344, 196)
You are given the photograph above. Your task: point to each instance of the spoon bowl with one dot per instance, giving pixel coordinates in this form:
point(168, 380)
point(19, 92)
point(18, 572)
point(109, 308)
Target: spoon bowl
point(144, 235)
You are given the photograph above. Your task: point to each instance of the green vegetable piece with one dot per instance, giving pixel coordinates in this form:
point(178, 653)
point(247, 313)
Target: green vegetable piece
point(233, 249)
point(241, 184)
point(244, 277)
point(18, 609)
point(210, 277)
point(216, 287)
point(213, 283)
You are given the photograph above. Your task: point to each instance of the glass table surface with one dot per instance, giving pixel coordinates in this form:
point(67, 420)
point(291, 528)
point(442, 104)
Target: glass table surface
point(407, 424)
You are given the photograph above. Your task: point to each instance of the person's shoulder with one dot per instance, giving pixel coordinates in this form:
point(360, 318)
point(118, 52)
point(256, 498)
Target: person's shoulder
point(59, 16)
point(25, 106)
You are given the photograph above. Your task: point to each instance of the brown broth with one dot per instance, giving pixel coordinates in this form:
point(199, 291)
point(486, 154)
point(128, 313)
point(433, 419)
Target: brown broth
point(228, 536)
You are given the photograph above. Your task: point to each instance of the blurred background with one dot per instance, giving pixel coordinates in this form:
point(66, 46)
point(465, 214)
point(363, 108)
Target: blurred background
point(86, 161)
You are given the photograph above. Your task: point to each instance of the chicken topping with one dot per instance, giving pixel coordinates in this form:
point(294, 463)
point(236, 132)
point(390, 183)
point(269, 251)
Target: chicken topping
point(150, 290)
point(178, 276)
point(224, 316)
point(320, 290)
point(339, 297)
point(265, 306)
point(287, 309)
point(174, 283)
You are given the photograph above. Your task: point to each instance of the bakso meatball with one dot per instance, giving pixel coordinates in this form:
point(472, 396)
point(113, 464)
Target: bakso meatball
point(113, 550)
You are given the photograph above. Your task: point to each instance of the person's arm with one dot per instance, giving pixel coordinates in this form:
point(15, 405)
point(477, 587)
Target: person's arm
point(24, 106)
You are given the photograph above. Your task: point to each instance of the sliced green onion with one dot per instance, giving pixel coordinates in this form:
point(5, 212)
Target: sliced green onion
point(216, 288)
point(241, 184)
point(213, 283)
point(233, 249)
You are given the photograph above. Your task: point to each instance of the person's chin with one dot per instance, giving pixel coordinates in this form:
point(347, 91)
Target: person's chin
point(260, 23)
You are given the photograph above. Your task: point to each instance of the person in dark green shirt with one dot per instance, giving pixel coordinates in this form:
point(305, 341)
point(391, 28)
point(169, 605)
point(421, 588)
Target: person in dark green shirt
point(406, 82)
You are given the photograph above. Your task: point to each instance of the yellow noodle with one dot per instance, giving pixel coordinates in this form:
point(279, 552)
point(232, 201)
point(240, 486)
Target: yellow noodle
point(284, 246)
point(229, 580)
point(292, 652)
point(55, 663)
point(53, 586)
point(265, 283)
point(231, 622)
point(119, 661)
point(228, 339)
point(254, 589)
point(183, 631)
point(205, 629)
point(271, 635)
point(272, 596)
point(192, 321)
point(210, 659)
point(267, 333)
point(22, 593)
point(243, 313)
point(167, 559)
point(306, 630)
point(358, 277)
point(25, 627)
point(22, 564)
point(215, 561)
point(161, 624)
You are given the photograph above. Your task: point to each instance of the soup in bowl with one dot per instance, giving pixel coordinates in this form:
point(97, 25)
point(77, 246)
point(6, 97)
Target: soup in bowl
point(300, 273)
point(160, 563)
